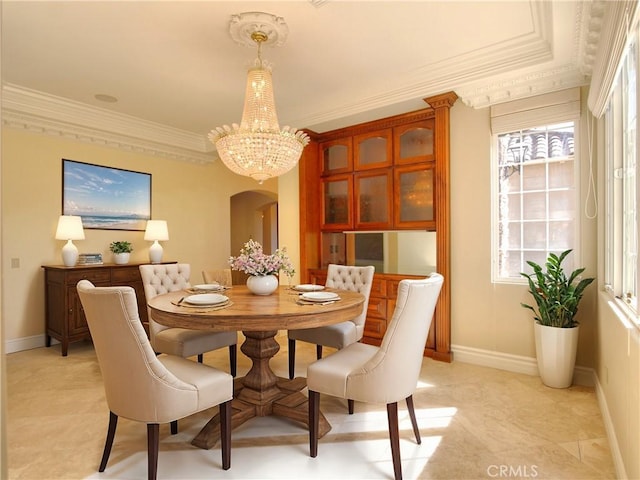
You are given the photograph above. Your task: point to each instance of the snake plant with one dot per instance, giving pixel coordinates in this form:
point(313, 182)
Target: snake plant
point(556, 296)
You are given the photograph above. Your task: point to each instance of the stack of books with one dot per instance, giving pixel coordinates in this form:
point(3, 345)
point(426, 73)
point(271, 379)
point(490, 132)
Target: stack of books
point(90, 259)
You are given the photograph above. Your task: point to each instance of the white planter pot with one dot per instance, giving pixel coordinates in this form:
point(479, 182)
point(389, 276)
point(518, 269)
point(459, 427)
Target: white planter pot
point(556, 353)
point(264, 285)
point(121, 258)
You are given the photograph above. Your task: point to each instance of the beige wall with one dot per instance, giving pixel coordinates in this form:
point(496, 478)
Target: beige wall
point(193, 198)
point(486, 315)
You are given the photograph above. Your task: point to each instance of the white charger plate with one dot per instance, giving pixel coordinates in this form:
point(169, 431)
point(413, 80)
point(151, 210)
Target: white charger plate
point(206, 299)
point(209, 286)
point(320, 296)
point(307, 287)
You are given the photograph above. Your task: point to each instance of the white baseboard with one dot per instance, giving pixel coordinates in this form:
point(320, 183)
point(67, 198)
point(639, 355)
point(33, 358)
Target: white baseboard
point(514, 363)
point(618, 463)
point(26, 343)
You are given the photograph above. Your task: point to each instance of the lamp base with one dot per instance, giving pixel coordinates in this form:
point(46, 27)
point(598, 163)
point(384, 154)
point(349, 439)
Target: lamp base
point(69, 254)
point(155, 252)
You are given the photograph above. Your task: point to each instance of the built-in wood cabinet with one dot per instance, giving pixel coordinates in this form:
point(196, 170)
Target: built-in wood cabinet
point(390, 174)
point(380, 180)
point(64, 317)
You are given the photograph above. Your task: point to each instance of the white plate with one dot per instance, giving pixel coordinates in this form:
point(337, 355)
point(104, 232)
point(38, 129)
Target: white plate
point(209, 286)
point(307, 287)
point(320, 296)
point(206, 299)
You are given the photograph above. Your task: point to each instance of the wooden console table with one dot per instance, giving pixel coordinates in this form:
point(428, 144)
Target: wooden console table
point(64, 317)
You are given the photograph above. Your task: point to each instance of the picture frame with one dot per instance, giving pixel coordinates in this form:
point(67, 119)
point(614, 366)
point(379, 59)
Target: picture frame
point(106, 198)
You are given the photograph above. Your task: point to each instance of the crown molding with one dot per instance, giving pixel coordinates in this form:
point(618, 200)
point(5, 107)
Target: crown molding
point(522, 86)
point(47, 114)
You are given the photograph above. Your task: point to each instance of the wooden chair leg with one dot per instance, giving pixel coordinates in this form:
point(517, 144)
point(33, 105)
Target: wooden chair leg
point(111, 433)
point(412, 414)
point(153, 439)
point(351, 404)
point(292, 358)
point(225, 434)
point(233, 359)
point(200, 358)
point(394, 438)
point(174, 427)
point(318, 352)
point(314, 420)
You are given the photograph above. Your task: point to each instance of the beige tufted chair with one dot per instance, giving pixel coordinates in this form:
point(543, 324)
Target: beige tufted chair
point(162, 278)
point(385, 374)
point(355, 279)
point(142, 387)
point(222, 276)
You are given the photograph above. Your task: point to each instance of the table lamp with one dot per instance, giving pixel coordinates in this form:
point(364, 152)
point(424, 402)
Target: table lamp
point(156, 230)
point(69, 228)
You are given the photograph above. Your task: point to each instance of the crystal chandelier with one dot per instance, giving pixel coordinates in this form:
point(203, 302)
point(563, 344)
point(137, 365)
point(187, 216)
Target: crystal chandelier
point(258, 148)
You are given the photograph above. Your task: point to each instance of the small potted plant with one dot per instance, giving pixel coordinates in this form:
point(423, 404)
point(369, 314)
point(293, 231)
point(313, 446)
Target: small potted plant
point(121, 251)
point(556, 329)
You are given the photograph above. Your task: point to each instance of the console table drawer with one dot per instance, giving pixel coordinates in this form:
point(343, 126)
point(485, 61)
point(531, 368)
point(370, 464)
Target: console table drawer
point(93, 275)
point(125, 274)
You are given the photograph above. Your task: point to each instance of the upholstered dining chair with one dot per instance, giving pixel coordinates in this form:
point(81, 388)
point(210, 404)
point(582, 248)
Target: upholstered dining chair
point(356, 279)
point(144, 387)
point(385, 374)
point(162, 278)
point(221, 276)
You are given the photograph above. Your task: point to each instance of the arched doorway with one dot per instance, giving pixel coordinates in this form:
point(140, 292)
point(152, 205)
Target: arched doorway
point(254, 215)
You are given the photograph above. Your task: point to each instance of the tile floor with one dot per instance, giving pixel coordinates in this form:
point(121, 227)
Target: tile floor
point(475, 422)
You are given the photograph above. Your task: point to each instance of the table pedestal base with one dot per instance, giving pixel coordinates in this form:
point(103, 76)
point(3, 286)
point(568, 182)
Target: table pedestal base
point(261, 393)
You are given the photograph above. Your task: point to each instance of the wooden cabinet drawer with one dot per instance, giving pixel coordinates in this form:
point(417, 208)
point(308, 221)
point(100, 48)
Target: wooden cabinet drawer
point(377, 308)
point(375, 327)
point(393, 288)
point(378, 288)
point(93, 275)
point(124, 275)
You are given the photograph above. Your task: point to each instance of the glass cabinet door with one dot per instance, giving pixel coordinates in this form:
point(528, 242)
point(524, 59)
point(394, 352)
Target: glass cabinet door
point(373, 150)
point(336, 156)
point(414, 196)
point(336, 202)
point(414, 142)
point(373, 192)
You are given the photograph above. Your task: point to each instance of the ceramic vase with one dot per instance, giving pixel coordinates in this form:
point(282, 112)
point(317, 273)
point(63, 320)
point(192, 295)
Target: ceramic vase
point(121, 258)
point(556, 354)
point(262, 285)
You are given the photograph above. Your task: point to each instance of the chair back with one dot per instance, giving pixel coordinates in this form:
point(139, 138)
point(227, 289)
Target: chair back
point(392, 373)
point(222, 276)
point(355, 279)
point(137, 385)
point(159, 279)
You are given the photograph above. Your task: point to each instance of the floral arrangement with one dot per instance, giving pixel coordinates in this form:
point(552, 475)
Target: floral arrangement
point(253, 261)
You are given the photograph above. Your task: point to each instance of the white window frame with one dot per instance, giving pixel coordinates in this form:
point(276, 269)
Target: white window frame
point(545, 110)
point(616, 275)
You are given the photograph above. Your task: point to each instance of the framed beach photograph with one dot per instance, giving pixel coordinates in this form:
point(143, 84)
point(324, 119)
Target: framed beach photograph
point(106, 198)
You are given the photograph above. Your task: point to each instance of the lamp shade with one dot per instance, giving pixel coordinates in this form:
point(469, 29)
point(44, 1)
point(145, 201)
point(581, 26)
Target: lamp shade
point(156, 230)
point(69, 228)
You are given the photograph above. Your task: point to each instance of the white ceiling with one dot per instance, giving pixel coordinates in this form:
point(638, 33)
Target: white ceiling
point(177, 73)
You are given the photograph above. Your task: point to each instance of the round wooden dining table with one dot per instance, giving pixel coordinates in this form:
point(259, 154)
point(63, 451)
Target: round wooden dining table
point(260, 392)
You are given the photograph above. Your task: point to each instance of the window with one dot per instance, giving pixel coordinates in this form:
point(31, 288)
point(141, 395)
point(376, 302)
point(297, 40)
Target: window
point(621, 269)
point(535, 194)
